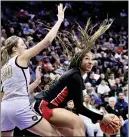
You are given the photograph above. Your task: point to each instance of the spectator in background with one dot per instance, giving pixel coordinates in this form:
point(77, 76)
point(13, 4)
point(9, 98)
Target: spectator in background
point(98, 103)
point(103, 88)
point(121, 104)
point(102, 77)
point(123, 107)
point(2, 41)
point(27, 31)
point(111, 80)
point(91, 91)
point(91, 79)
point(66, 23)
point(70, 106)
point(108, 71)
point(3, 33)
point(105, 99)
point(109, 45)
point(22, 15)
point(87, 100)
point(123, 13)
point(95, 67)
point(112, 109)
point(125, 94)
point(91, 129)
point(118, 84)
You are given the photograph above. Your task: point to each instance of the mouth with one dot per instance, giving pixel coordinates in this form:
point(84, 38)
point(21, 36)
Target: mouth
point(89, 67)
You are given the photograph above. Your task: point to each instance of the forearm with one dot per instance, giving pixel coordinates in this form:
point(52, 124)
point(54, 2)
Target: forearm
point(90, 114)
point(32, 86)
point(45, 42)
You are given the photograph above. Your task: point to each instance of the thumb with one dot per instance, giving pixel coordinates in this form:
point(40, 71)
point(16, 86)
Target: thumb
point(64, 8)
point(112, 115)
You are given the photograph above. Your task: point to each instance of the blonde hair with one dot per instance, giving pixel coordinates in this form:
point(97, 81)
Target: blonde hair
point(6, 50)
point(87, 40)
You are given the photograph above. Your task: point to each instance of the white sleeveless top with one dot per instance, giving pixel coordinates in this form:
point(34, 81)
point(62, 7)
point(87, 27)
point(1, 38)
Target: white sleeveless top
point(15, 79)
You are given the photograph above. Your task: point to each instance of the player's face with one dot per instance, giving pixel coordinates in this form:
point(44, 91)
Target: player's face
point(21, 47)
point(87, 63)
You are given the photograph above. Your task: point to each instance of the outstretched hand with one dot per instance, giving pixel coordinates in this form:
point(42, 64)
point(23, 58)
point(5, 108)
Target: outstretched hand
point(61, 11)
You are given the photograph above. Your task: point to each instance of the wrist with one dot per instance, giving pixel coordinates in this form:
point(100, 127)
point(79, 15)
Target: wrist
point(37, 81)
point(60, 21)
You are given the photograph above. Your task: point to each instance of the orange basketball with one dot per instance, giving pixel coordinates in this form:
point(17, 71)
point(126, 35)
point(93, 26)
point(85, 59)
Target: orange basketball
point(107, 129)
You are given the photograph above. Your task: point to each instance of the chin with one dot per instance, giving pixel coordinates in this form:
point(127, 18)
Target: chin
point(88, 70)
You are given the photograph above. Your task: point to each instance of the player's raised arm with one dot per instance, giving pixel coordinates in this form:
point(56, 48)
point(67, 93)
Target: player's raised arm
point(49, 37)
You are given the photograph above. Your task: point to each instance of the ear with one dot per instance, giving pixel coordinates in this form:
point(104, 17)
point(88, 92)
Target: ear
point(14, 49)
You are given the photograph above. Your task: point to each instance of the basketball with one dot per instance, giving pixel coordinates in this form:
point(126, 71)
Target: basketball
point(109, 130)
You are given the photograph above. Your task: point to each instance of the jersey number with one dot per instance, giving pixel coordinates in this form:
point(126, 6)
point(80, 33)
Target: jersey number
point(7, 73)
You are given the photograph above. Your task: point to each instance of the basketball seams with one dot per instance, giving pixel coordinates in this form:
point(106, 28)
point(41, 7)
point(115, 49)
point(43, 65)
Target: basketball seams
point(109, 129)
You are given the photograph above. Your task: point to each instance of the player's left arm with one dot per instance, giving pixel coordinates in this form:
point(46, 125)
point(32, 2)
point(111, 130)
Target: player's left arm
point(37, 81)
point(78, 99)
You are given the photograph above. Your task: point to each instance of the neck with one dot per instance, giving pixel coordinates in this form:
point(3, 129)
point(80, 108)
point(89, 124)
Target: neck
point(14, 54)
point(83, 72)
point(87, 103)
point(112, 107)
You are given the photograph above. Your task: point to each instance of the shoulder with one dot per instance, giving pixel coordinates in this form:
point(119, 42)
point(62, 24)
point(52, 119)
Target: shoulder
point(72, 71)
point(71, 74)
point(107, 107)
point(76, 77)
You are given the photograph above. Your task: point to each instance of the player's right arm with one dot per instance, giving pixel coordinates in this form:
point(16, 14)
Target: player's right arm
point(28, 54)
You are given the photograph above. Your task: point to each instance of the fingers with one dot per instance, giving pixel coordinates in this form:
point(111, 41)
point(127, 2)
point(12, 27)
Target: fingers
point(112, 127)
point(112, 115)
point(38, 69)
point(64, 8)
point(60, 7)
point(115, 124)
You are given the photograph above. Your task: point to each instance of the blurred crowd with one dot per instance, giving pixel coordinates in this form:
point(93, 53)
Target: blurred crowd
point(107, 83)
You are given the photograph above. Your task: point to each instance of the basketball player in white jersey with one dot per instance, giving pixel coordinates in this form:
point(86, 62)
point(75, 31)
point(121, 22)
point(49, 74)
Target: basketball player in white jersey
point(15, 106)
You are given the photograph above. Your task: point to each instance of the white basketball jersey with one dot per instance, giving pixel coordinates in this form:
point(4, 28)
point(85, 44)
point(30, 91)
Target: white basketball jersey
point(15, 79)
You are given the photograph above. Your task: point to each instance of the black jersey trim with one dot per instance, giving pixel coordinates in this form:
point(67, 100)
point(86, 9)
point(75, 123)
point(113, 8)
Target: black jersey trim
point(8, 130)
point(34, 123)
point(19, 65)
point(25, 78)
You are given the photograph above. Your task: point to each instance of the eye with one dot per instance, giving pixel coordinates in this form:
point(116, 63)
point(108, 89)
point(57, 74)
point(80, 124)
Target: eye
point(86, 58)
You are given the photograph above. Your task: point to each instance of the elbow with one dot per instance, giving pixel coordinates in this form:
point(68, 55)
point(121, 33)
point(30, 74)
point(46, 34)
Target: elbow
point(48, 41)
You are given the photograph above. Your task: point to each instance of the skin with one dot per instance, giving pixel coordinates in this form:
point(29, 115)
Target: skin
point(86, 66)
point(43, 128)
point(87, 99)
point(70, 105)
point(87, 63)
point(112, 103)
point(71, 119)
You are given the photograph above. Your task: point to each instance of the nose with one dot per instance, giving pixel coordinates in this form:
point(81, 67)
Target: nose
point(90, 62)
